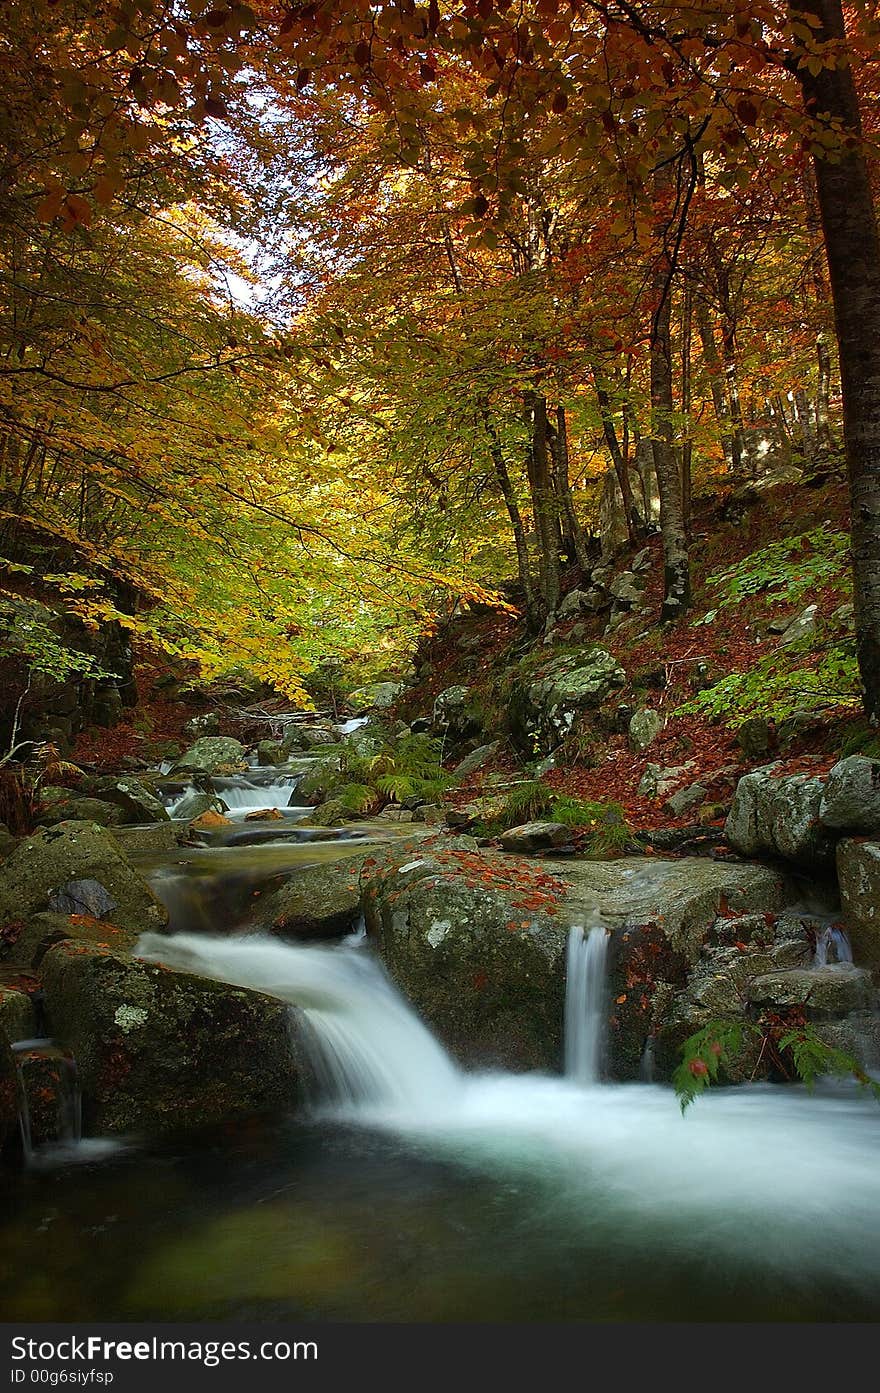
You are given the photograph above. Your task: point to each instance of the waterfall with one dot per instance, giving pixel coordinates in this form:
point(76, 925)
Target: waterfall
point(585, 1004)
point(832, 941)
point(49, 1105)
point(363, 1043)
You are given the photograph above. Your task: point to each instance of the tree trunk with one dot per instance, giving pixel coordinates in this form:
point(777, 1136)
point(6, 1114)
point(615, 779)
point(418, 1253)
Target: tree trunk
point(715, 373)
point(508, 492)
point(676, 566)
point(687, 449)
point(852, 245)
point(618, 458)
point(824, 436)
point(574, 532)
point(543, 501)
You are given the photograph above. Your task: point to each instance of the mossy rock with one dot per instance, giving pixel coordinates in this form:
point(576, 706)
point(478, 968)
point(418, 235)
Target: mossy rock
point(161, 1052)
point(44, 863)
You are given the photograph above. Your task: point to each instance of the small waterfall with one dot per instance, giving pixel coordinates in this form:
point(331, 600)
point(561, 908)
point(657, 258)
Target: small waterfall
point(363, 1042)
point(585, 1004)
point(49, 1104)
point(832, 945)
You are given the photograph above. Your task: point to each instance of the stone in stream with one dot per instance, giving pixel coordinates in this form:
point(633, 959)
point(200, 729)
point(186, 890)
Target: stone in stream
point(477, 940)
point(40, 932)
point(194, 804)
point(74, 809)
point(161, 1052)
point(42, 864)
point(213, 754)
point(210, 818)
point(321, 901)
point(138, 803)
point(270, 752)
point(155, 837)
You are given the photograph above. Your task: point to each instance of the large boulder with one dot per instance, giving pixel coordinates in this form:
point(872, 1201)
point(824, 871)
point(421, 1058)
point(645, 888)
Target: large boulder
point(213, 754)
point(455, 712)
point(270, 752)
point(858, 874)
point(42, 865)
point(851, 797)
point(535, 836)
point(477, 939)
point(160, 1052)
point(137, 801)
point(779, 816)
point(821, 991)
point(545, 705)
point(378, 696)
point(644, 727)
point(321, 901)
point(194, 804)
point(30, 940)
point(75, 809)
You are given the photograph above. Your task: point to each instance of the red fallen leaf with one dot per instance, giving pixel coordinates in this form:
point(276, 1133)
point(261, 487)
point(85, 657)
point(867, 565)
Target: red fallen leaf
point(698, 1068)
point(620, 999)
point(480, 980)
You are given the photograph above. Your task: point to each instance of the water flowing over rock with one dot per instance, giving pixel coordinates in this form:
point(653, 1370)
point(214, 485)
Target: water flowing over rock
point(478, 940)
point(71, 851)
point(162, 1052)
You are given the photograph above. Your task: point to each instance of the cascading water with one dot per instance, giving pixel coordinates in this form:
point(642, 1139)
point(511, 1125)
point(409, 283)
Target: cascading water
point(832, 944)
point(49, 1107)
point(364, 1044)
point(585, 1005)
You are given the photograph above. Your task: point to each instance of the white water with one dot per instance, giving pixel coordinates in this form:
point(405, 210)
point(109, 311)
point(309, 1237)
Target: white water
point(832, 940)
point(585, 1004)
point(754, 1175)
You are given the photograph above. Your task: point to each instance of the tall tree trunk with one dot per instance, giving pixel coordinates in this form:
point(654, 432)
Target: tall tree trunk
point(687, 449)
point(508, 493)
point(618, 457)
point(852, 244)
point(676, 566)
point(573, 529)
point(543, 500)
point(824, 436)
point(715, 373)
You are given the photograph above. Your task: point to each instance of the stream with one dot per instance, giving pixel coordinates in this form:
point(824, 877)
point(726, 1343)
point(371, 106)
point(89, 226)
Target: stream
point(415, 1191)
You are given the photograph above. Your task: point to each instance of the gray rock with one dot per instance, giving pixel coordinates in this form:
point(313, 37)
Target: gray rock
point(642, 561)
point(489, 973)
point(321, 901)
point(82, 897)
point(194, 804)
point(270, 752)
point(135, 799)
point(160, 1052)
point(803, 626)
point(535, 836)
point(215, 754)
point(833, 991)
point(197, 726)
point(453, 710)
point(779, 816)
point(851, 798)
point(18, 1015)
point(858, 874)
point(378, 696)
point(686, 798)
point(571, 605)
point(476, 759)
point(658, 781)
point(75, 809)
point(644, 728)
point(754, 737)
point(544, 709)
point(156, 837)
point(628, 589)
point(43, 863)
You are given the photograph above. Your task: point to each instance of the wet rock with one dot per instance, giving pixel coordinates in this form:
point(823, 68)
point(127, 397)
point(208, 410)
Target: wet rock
point(73, 809)
point(321, 901)
point(315, 737)
point(40, 932)
point(82, 897)
point(780, 817)
point(270, 752)
point(8, 1093)
point(18, 1015)
point(213, 754)
point(378, 696)
point(194, 804)
point(851, 797)
point(535, 836)
point(264, 815)
point(43, 863)
point(476, 759)
point(156, 837)
point(477, 940)
point(160, 1052)
point(830, 991)
point(209, 820)
point(644, 728)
